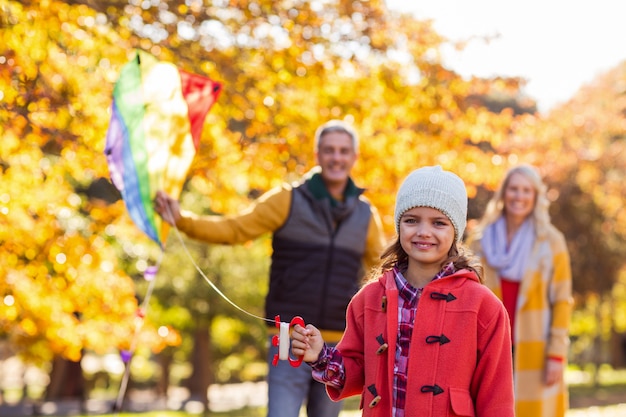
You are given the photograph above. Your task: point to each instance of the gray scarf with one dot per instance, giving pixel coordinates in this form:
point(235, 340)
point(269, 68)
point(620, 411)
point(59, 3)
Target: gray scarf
point(509, 261)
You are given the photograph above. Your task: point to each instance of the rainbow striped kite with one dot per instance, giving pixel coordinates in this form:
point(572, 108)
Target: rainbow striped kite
point(157, 116)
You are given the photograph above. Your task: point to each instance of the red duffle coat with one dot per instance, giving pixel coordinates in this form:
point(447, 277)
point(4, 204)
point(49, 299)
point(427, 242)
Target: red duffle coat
point(466, 373)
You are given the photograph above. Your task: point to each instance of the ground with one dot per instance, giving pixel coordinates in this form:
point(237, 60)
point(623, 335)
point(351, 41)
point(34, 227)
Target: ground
point(249, 398)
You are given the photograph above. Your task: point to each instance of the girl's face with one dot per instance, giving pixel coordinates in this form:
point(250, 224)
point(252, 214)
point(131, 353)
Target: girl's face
point(426, 235)
point(519, 197)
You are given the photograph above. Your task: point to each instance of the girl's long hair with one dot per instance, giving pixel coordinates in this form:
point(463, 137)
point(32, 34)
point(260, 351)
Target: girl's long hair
point(460, 256)
point(495, 207)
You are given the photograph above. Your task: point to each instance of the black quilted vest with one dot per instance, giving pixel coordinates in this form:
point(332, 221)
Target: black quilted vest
point(317, 259)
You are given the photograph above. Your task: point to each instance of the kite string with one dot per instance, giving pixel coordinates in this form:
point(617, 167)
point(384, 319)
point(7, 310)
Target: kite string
point(143, 309)
point(215, 288)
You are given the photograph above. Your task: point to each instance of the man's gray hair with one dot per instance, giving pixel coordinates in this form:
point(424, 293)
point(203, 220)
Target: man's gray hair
point(336, 126)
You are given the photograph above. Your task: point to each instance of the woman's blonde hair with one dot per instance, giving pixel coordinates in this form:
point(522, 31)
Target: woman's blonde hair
point(495, 207)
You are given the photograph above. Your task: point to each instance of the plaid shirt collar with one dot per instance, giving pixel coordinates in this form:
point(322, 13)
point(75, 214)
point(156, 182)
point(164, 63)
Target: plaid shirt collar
point(407, 291)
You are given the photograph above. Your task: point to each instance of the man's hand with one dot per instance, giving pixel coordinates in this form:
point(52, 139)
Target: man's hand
point(167, 207)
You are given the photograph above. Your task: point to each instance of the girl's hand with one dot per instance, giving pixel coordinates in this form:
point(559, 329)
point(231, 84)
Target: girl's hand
point(306, 341)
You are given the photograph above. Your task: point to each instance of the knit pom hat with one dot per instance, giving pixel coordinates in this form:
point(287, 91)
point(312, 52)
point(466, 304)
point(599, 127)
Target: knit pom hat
point(433, 187)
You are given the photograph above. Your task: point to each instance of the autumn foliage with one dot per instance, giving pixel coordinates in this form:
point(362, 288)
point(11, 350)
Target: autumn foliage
point(71, 260)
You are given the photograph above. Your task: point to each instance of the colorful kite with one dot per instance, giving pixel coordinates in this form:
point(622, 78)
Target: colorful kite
point(157, 116)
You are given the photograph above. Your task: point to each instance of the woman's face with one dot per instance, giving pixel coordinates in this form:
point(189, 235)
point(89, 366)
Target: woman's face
point(519, 197)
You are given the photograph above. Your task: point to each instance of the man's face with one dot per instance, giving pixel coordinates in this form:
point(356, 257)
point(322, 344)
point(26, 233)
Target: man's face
point(336, 156)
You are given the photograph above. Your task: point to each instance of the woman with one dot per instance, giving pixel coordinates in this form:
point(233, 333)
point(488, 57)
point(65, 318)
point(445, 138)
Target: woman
point(527, 266)
point(424, 338)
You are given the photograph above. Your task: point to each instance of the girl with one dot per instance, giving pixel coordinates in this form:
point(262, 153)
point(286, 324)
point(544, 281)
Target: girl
point(425, 338)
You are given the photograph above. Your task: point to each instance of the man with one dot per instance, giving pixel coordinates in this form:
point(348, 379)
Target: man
point(326, 236)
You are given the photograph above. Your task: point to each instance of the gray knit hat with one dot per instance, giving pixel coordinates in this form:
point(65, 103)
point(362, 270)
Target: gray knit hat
point(433, 187)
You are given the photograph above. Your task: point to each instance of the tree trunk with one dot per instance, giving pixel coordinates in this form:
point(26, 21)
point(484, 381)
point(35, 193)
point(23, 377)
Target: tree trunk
point(165, 362)
point(66, 381)
point(202, 374)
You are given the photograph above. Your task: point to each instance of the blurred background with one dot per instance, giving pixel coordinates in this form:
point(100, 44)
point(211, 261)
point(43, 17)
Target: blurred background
point(72, 261)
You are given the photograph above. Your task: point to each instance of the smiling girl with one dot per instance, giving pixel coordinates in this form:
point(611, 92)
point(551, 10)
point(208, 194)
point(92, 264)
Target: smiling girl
point(425, 337)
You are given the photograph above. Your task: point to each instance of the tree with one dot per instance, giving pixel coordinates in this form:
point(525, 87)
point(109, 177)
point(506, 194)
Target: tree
point(70, 258)
point(63, 289)
point(589, 178)
point(580, 150)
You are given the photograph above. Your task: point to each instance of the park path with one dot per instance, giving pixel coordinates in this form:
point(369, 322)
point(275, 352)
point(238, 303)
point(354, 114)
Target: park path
point(222, 398)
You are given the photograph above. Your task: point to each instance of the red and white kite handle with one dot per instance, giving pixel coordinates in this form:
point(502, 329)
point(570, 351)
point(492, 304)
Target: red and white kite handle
point(281, 340)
